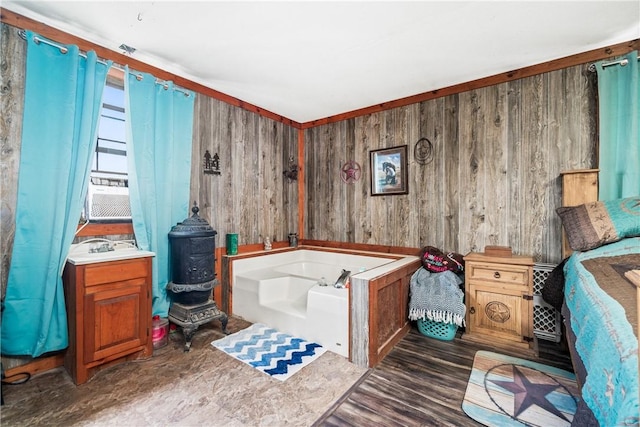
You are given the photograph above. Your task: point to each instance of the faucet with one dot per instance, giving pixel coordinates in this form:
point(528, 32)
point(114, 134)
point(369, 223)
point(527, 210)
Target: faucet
point(342, 280)
point(103, 247)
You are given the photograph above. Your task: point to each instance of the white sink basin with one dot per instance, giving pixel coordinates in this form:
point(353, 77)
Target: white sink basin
point(79, 254)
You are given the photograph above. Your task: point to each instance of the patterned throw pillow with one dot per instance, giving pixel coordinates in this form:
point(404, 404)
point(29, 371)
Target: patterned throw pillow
point(595, 224)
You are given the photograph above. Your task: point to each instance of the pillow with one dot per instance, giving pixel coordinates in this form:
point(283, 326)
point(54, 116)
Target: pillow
point(595, 224)
point(553, 290)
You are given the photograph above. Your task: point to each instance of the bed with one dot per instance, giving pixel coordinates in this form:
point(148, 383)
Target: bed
point(600, 308)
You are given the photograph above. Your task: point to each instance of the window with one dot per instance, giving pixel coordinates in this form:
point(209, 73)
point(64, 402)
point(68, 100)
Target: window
point(110, 160)
point(108, 193)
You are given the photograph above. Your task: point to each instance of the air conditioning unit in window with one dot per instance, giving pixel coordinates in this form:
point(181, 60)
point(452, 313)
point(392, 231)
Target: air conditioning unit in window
point(107, 203)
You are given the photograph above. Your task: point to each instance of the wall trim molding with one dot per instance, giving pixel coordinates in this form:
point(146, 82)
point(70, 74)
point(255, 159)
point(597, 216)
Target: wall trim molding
point(16, 20)
point(19, 21)
point(545, 67)
point(35, 366)
point(113, 228)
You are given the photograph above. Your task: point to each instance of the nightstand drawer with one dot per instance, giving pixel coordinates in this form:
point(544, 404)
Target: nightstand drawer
point(498, 273)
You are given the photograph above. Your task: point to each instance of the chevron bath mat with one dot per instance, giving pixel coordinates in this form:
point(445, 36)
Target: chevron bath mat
point(274, 353)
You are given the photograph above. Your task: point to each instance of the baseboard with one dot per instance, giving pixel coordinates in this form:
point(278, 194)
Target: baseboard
point(36, 366)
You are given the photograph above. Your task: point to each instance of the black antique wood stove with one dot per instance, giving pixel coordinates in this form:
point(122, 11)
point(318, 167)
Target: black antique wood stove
point(193, 245)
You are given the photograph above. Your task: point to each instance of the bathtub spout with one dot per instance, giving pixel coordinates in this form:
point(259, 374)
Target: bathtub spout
point(342, 280)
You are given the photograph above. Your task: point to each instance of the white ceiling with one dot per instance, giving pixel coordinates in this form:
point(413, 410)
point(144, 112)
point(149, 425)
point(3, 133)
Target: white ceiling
point(308, 60)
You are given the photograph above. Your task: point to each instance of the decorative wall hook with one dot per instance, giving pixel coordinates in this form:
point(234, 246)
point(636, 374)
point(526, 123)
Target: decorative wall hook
point(292, 172)
point(211, 164)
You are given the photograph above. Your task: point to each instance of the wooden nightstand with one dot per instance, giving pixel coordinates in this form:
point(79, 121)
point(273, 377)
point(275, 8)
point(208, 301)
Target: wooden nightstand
point(499, 299)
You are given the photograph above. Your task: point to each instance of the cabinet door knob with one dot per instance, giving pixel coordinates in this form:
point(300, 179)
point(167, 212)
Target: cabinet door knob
point(472, 310)
point(496, 274)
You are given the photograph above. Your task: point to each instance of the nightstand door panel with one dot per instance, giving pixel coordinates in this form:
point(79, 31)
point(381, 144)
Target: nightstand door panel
point(498, 314)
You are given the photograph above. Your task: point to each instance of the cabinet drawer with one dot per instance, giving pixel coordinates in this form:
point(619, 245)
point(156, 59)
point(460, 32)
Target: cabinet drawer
point(115, 271)
point(512, 275)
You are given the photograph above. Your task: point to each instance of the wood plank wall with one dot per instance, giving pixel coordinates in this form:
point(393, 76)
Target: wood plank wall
point(498, 153)
point(494, 179)
point(13, 50)
point(251, 196)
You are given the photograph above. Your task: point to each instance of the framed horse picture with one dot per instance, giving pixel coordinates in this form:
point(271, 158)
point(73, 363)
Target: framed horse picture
point(389, 174)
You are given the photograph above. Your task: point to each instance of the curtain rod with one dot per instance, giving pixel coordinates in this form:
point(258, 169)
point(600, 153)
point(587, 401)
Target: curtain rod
point(622, 62)
point(64, 50)
point(163, 83)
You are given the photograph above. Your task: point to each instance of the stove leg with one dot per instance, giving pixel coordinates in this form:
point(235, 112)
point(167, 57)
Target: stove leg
point(224, 319)
point(188, 335)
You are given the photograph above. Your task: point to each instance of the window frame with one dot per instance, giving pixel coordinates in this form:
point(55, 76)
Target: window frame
point(115, 77)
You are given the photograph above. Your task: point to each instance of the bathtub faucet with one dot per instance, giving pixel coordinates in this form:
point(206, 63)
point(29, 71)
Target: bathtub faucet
point(342, 280)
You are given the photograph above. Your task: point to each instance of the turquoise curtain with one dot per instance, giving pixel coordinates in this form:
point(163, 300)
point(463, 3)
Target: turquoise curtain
point(63, 94)
point(619, 98)
point(159, 131)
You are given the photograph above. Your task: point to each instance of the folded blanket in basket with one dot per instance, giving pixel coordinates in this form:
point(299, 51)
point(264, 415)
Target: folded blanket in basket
point(436, 297)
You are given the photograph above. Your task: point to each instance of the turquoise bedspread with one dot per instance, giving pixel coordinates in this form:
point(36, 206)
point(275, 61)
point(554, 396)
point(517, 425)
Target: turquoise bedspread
point(605, 340)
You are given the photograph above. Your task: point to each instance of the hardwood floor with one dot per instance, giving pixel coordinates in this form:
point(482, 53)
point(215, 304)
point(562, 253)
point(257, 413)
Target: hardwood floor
point(422, 383)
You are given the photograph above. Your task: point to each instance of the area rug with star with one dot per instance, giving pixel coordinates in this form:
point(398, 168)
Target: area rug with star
point(508, 391)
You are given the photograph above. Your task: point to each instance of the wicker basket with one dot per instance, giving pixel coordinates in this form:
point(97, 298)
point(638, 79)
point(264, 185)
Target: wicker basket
point(438, 330)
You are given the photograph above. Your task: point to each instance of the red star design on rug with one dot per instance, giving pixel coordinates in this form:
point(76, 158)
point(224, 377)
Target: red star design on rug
point(527, 393)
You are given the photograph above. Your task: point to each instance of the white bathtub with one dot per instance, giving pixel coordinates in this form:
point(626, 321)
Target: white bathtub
point(281, 290)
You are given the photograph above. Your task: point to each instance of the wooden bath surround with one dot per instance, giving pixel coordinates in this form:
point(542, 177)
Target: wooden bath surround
point(378, 306)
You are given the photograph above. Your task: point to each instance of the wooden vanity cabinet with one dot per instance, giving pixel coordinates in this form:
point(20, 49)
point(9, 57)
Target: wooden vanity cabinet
point(109, 314)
